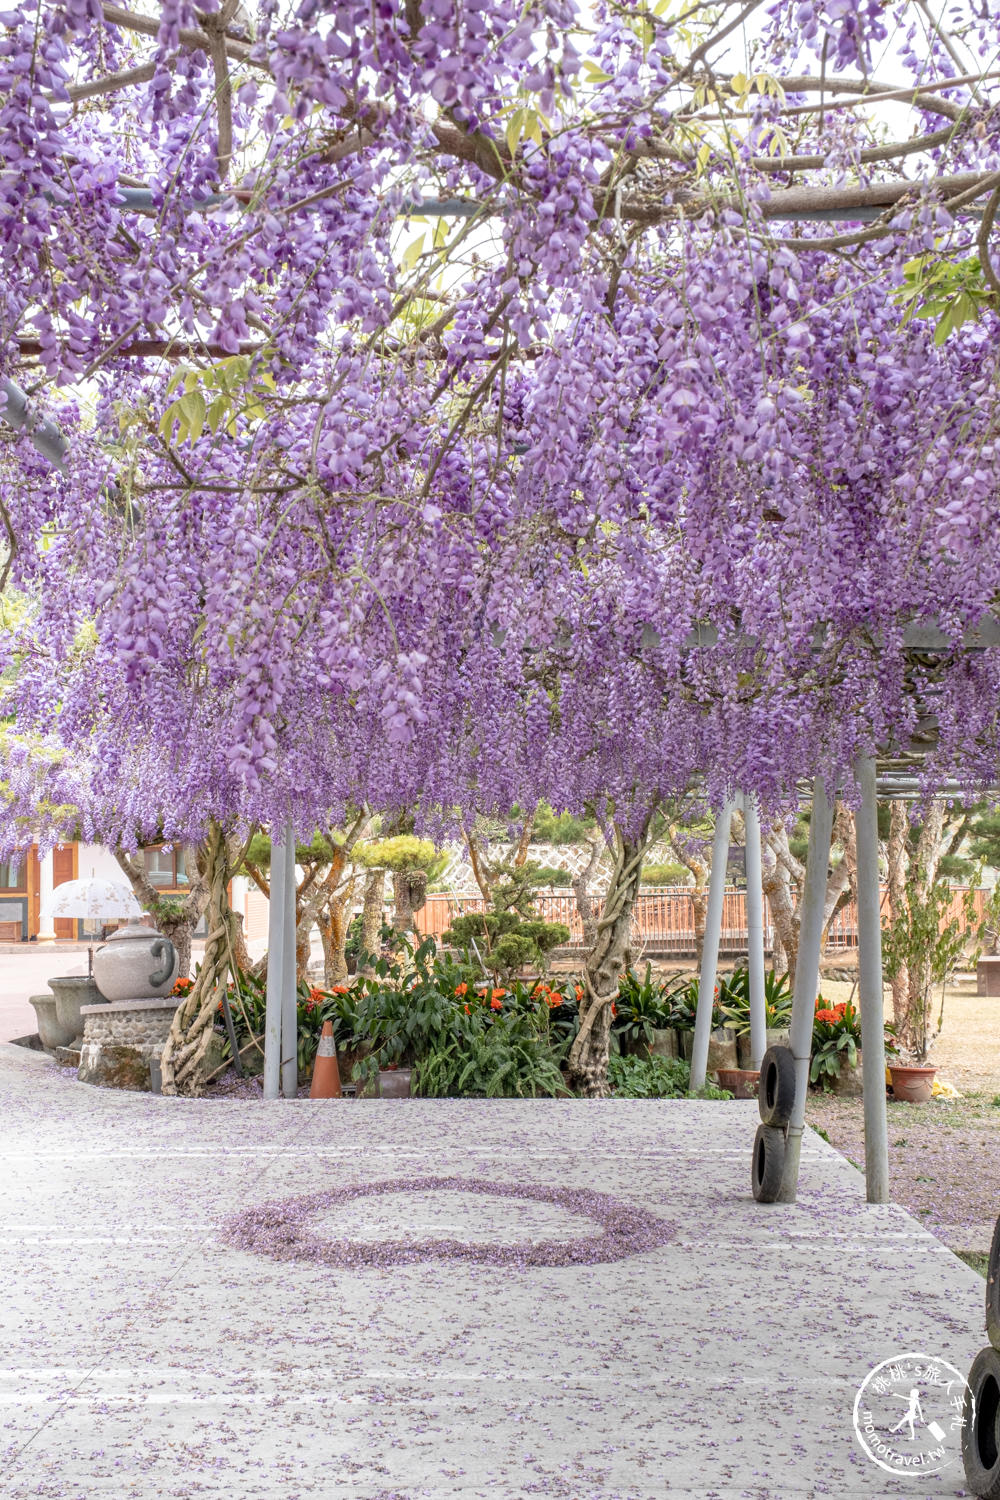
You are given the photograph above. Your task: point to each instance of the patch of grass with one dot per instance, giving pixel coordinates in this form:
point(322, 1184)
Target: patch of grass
point(977, 1259)
point(822, 1133)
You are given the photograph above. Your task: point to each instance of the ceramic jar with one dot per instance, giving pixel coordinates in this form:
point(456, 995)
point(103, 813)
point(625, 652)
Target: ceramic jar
point(136, 963)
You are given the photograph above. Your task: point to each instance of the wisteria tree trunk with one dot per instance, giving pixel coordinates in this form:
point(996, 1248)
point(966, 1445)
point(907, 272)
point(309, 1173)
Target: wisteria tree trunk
point(409, 892)
point(588, 1057)
point(584, 900)
point(699, 869)
point(332, 922)
point(777, 888)
point(371, 917)
point(183, 1057)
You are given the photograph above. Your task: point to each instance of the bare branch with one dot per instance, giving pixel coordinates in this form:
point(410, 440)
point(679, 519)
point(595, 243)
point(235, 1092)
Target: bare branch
point(111, 82)
point(117, 15)
point(983, 240)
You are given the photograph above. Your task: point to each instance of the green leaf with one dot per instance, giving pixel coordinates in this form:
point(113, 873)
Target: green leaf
point(412, 253)
point(216, 412)
point(515, 126)
point(192, 406)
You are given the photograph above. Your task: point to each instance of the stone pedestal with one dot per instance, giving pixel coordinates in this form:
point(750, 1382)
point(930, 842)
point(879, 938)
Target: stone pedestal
point(988, 975)
point(120, 1039)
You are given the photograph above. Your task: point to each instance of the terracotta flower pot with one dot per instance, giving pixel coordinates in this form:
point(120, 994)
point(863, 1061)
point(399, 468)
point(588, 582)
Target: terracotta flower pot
point(912, 1083)
point(741, 1082)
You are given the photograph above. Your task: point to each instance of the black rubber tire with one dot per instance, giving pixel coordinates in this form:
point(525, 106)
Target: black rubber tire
point(993, 1290)
point(981, 1436)
point(776, 1090)
point(768, 1163)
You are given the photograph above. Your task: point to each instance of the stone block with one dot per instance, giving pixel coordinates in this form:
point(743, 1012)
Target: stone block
point(988, 975)
point(721, 1050)
point(115, 1067)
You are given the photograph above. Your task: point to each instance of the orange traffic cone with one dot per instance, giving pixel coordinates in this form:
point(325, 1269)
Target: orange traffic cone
point(326, 1074)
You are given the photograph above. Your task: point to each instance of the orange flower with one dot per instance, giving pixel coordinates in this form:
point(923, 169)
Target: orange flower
point(497, 994)
point(496, 1004)
point(614, 1008)
point(460, 989)
point(579, 991)
point(339, 989)
point(553, 998)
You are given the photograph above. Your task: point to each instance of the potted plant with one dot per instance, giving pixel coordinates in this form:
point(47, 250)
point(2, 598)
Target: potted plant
point(402, 1011)
point(836, 1048)
point(734, 1003)
point(919, 950)
point(681, 1000)
point(642, 1023)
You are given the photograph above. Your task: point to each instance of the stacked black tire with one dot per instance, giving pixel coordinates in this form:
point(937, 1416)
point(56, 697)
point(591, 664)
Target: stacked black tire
point(775, 1099)
point(981, 1433)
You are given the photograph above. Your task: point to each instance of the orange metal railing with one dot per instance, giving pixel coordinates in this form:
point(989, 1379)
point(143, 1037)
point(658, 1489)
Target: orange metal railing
point(663, 918)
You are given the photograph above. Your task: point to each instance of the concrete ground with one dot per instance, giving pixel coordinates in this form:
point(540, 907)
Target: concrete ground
point(144, 1357)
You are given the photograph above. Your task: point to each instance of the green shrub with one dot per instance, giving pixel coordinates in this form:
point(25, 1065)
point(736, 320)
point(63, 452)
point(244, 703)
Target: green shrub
point(506, 1059)
point(649, 1077)
point(665, 874)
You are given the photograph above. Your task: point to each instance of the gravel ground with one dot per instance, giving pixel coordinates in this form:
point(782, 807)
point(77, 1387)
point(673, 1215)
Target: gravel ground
point(944, 1157)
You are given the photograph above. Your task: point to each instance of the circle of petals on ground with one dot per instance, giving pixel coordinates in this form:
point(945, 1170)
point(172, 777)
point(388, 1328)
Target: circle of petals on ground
point(281, 1229)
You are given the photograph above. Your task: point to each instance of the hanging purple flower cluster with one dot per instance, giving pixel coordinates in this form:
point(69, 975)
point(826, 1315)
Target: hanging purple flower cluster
point(364, 502)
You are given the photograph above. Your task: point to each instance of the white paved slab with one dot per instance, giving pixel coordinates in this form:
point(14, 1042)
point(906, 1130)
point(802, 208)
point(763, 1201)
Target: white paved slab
point(142, 1357)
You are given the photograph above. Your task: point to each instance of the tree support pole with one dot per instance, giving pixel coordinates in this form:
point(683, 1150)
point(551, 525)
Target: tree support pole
point(289, 997)
point(710, 952)
point(807, 978)
point(275, 971)
point(870, 988)
point(755, 933)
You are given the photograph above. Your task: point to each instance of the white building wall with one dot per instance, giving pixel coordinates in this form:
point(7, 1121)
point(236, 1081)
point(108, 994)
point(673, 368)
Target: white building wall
point(94, 859)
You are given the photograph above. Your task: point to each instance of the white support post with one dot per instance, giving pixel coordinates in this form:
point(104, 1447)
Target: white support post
point(289, 997)
point(811, 905)
point(275, 971)
point(710, 952)
point(46, 886)
point(870, 992)
point(755, 933)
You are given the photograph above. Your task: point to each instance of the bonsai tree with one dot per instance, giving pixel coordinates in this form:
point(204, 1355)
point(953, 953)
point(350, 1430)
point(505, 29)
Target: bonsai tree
point(508, 936)
point(411, 861)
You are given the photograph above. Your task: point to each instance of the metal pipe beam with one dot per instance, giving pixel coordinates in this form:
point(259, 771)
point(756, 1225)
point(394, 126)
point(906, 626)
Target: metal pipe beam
point(811, 906)
point(755, 932)
point(870, 988)
point(45, 435)
point(710, 952)
point(275, 970)
point(289, 997)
